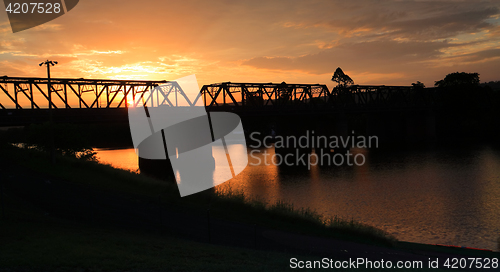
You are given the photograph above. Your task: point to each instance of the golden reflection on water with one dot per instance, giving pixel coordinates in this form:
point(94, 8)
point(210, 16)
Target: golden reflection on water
point(256, 179)
point(439, 197)
point(428, 197)
point(119, 158)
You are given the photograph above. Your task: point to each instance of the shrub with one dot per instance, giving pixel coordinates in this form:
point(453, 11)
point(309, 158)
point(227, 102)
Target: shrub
point(68, 140)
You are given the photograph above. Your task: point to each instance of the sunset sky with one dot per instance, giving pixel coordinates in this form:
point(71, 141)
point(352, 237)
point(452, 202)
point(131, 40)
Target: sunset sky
point(390, 42)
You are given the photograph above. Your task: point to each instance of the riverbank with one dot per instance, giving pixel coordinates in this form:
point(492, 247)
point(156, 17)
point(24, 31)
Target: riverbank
point(228, 204)
point(82, 215)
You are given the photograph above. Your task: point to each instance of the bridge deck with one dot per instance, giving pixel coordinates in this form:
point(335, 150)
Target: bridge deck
point(74, 97)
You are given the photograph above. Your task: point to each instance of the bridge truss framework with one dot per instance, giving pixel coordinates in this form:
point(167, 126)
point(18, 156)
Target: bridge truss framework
point(26, 93)
point(32, 93)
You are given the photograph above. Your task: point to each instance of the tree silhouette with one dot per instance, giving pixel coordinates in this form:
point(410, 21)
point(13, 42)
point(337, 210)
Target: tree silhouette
point(342, 79)
point(460, 92)
point(458, 79)
point(418, 84)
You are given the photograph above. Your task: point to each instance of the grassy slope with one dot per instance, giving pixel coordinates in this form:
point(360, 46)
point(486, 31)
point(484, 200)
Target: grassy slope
point(230, 205)
point(34, 241)
point(31, 240)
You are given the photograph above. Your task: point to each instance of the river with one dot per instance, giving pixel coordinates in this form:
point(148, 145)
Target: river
point(444, 196)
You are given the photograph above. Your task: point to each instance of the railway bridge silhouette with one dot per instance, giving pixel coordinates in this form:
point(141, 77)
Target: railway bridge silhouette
point(287, 108)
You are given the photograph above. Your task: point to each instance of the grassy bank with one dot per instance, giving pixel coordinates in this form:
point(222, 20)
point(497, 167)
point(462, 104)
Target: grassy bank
point(228, 205)
point(34, 240)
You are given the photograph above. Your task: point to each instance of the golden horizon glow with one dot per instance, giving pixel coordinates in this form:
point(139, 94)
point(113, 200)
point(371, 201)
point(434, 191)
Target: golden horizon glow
point(389, 42)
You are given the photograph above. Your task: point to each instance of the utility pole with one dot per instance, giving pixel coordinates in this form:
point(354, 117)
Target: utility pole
point(49, 63)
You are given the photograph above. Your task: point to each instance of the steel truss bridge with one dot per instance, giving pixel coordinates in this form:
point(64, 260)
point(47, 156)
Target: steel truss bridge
point(24, 100)
point(248, 97)
point(33, 93)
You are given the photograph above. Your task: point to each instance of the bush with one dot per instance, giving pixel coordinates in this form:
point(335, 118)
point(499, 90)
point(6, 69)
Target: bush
point(68, 140)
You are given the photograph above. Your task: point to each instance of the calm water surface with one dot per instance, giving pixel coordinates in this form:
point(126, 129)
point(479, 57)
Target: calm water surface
point(437, 197)
point(124, 158)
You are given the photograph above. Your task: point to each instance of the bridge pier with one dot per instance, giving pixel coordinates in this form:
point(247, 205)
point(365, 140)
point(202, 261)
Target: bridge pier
point(162, 168)
point(388, 127)
point(338, 124)
point(411, 127)
point(297, 127)
point(420, 127)
point(341, 124)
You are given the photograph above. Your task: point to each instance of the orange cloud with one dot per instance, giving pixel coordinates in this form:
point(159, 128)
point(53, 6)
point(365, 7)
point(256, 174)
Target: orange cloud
point(258, 40)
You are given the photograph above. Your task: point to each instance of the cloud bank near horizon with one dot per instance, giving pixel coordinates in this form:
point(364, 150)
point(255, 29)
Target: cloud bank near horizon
point(389, 42)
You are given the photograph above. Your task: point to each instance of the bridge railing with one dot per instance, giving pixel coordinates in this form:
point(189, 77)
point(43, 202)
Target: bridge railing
point(258, 96)
point(33, 93)
point(270, 96)
point(383, 97)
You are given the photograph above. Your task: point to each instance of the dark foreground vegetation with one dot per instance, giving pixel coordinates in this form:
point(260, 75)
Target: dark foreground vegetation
point(79, 215)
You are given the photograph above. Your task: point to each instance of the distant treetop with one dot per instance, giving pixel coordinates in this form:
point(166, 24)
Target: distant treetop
point(418, 84)
point(459, 79)
point(341, 78)
point(494, 85)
